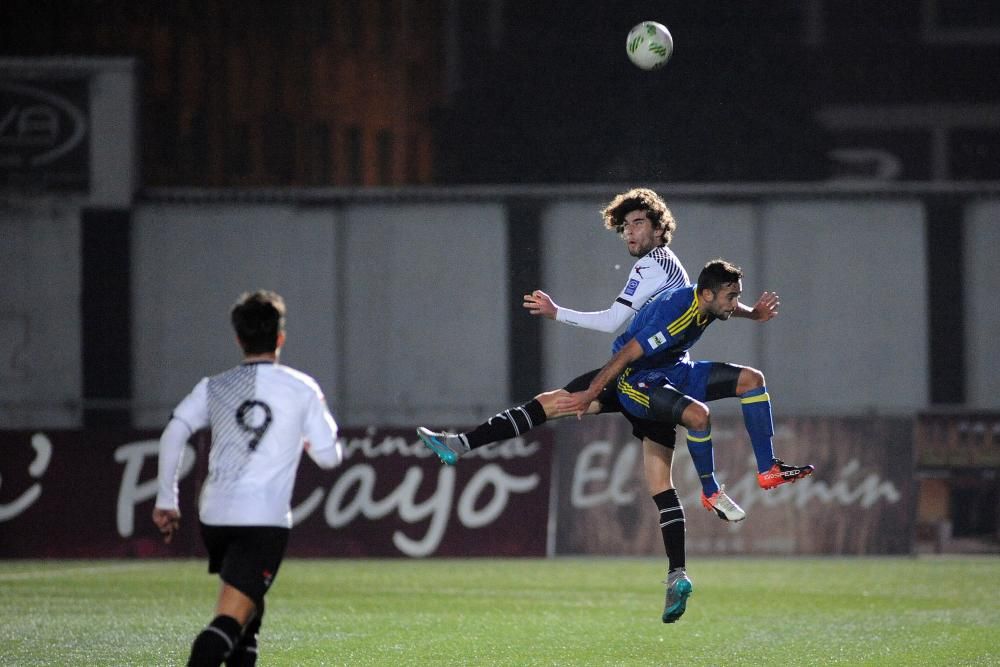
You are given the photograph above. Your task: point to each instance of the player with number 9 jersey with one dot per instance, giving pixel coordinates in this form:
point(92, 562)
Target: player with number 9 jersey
point(260, 414)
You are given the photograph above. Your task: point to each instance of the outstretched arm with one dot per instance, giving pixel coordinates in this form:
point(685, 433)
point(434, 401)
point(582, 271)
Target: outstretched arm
point(608, 320)
point(649, 277)
point(579, 401)
point(765, 309)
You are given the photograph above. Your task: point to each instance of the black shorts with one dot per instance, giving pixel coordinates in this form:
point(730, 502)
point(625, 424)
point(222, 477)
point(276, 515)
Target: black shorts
point(662, 433)
point(245, 557)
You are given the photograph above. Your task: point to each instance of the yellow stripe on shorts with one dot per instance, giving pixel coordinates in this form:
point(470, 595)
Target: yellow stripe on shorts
point(633, 393)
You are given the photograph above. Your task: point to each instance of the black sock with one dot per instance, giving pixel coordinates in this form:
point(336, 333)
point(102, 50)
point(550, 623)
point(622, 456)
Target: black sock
point(245, 653)
point(507, 424)
point(672, 525)
point(215, 642)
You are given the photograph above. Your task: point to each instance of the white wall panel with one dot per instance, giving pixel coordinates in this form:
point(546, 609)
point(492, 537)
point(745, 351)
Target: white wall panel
point(426, 303)
point(40, 362)
point(982, 314)
point(190, 263)
point(853, 332)
point(401, 309)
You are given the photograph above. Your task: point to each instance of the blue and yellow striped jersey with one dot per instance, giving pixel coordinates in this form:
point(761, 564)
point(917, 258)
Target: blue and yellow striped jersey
point(666, 328)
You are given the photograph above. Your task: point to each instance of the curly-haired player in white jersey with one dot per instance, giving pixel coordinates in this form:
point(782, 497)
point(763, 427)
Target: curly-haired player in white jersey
point(262, 416)
point(646, 226)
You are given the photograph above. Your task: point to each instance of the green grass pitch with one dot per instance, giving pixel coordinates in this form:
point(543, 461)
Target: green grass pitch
point(562, 611)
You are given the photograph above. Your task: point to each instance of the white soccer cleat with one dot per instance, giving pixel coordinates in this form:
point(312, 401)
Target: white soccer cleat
point(723, 505)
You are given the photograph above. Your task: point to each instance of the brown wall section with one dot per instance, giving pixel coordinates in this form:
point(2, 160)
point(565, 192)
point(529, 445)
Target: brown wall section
point(312, 93)
point(861, 500)
point(90, 494)
point(73, 494)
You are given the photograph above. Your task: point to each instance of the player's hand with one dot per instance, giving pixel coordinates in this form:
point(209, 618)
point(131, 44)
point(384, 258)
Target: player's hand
point(766, 307)
point(576, 403)
point(539, 303)
point(167, 521)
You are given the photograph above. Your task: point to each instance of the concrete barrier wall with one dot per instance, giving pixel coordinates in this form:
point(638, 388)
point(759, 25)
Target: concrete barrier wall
point(422, 313)
point(189, 265)
point(982, 317)
point(400, 308)
point(40, 364)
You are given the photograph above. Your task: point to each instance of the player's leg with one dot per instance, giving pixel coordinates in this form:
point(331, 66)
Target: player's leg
point(222, 641)
point(665, 403)
point(247, 568)
point(748, 385)
point(657, 459)
point(217, 640)
point(245, 652)
point(506, 424)
point(648, 395)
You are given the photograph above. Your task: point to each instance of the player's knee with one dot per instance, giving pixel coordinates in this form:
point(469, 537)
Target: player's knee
point(696, 417)
point(750, 379)
point(548, 401)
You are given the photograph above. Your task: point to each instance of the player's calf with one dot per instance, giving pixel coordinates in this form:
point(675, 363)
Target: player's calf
point(245, 653)
point(215, 642)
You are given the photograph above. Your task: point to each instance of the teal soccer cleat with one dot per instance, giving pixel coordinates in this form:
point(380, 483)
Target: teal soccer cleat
point(679, 589)
point(448, 446)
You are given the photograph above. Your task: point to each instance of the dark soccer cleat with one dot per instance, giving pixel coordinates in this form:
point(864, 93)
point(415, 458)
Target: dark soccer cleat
point(723, 505)
point(782, 473)
point(448, 446)
point(679, 589)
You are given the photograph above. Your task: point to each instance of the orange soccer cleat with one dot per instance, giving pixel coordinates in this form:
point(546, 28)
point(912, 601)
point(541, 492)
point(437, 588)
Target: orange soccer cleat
point(782, 473)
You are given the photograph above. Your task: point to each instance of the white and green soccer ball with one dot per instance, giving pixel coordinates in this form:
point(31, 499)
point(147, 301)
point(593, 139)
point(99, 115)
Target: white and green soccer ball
point(649, 45)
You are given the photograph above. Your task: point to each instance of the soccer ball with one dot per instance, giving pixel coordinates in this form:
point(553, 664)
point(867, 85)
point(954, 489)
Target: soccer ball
point(649, 45)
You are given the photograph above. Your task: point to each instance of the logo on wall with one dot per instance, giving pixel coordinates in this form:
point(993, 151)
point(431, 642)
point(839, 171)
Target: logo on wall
point(44, 131)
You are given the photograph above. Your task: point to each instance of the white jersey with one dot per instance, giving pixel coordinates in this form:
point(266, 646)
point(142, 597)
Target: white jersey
point(262, 416)
point(657, 271)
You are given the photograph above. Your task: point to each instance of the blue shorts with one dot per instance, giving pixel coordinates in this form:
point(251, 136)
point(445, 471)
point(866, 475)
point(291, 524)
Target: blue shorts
point(660, 432)
point(699, 380)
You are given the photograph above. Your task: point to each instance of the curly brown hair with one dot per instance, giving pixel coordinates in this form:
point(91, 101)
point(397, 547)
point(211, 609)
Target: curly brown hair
point(640, 199)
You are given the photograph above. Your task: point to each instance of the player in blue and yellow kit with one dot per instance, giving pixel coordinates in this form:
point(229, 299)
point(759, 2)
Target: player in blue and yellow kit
point(657, 380)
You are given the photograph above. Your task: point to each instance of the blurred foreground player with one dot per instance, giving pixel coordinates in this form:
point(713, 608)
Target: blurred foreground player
point(263, 416)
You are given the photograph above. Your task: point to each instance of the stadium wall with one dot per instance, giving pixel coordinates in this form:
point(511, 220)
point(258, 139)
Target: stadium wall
point(422, 284)
point(400, 305)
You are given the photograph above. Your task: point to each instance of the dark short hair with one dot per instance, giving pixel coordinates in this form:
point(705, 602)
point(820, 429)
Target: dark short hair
point(258, 317)
point(718, 273)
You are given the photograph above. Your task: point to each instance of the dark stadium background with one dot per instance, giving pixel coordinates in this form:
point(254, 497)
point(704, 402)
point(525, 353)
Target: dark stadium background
point(256, 100)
